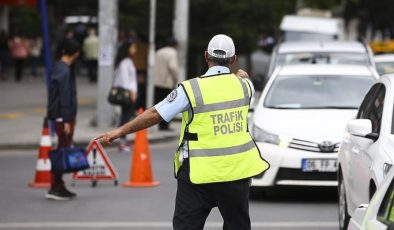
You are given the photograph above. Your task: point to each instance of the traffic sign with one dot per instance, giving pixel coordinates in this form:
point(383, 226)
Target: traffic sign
point(101, 167)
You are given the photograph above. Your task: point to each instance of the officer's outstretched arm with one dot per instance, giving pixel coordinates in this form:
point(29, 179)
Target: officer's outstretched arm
point(145, 120)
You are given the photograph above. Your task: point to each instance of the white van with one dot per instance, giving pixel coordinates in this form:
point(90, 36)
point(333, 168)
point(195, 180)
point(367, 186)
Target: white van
point(296, 28)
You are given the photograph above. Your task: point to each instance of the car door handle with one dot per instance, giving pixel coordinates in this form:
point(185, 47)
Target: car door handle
point(355, 150)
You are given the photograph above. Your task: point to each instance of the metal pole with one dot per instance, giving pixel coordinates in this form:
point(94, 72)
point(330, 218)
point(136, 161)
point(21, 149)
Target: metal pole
point(151, 54)
point(4, 18)
point(108, 24)
point(180, 31)
point(47, 50)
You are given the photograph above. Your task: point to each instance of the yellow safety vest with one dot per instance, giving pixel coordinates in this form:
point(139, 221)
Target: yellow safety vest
point(220, 147)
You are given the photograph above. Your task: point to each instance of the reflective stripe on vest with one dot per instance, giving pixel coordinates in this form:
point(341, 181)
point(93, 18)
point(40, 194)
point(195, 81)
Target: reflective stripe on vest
point(201, 108)
point(222, 151)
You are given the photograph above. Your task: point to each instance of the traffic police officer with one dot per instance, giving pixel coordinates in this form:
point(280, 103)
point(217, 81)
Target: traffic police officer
point(216, 155)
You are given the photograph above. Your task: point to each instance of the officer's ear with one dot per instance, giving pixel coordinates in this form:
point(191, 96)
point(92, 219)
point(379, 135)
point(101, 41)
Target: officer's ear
point(233, 60)
point(206, 56)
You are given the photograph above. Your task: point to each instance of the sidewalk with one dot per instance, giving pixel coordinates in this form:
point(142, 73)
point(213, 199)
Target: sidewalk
point(23, 108)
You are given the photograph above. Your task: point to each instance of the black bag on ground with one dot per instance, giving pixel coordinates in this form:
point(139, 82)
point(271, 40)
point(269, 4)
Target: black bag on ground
point(119, 96)
point(69, 159)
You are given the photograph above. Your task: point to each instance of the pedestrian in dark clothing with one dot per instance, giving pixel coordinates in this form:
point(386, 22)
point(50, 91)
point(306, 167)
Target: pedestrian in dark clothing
point(69, 34)
point(216, 155)
point(4, 54)
point(62, 107)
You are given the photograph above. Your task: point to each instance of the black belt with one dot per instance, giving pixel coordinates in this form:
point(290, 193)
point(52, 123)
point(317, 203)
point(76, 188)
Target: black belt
point(190, 136)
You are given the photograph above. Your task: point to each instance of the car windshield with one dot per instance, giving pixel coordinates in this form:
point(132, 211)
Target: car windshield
point(326, 58)
point(317, 92)
point(385, 67)
point(307, 36)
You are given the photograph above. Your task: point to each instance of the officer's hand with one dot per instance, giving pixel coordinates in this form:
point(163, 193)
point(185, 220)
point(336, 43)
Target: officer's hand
point(241, 73)
point(108, 137)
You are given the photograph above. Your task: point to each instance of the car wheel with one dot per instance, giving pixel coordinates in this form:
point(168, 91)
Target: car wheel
point(344, 216)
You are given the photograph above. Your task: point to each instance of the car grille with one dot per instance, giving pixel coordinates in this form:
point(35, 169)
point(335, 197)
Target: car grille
point(325, 147)
point(297, 174)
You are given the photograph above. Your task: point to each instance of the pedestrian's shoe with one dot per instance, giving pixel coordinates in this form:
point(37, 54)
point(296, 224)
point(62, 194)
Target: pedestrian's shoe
point(124, 147)
point(58, 195)
point(69, 193)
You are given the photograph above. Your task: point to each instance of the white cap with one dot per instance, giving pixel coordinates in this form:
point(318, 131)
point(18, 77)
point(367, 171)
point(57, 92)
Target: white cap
point(222, 43)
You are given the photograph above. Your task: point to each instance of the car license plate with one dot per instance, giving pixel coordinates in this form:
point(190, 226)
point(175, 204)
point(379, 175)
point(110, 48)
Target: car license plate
point(319, 165)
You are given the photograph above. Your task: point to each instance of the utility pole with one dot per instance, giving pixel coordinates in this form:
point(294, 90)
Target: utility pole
point(4, 18)
point(181, 31)
point(151, 54)
point(108, 24)
point(46, 43)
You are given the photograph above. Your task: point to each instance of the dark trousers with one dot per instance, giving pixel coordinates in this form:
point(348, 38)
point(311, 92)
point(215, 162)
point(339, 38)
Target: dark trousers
point(34, 65)
point(160, 94)
point(18, 64)
point(195, 201)
point(64, 140)
point(92, 70)
point(127, 112)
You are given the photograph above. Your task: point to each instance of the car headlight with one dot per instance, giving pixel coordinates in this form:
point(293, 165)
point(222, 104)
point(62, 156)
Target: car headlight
point(261, 135)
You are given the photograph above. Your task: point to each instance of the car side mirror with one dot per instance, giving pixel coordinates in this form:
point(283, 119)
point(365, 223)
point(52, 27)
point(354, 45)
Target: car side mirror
point(362, 128)
point(372, 136)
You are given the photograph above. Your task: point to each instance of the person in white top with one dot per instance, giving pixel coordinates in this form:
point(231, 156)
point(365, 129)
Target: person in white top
point(126, 77)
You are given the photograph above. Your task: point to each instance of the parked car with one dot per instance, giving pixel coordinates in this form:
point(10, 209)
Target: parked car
point(379, 213)
point(366, 153)
point(299, 121)
point(384, 63)
point(328, 52)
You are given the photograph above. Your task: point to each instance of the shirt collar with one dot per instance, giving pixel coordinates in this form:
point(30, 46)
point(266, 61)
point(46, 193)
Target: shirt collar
point(214, 70)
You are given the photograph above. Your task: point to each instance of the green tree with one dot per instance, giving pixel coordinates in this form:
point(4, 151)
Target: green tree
point(24, 21)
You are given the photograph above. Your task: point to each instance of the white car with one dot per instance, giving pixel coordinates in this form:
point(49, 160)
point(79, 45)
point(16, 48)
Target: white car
point(384, 63)
point(328, 52)
point(299, 122)
point(298, 27)
point(366, 152)
point(379, 213)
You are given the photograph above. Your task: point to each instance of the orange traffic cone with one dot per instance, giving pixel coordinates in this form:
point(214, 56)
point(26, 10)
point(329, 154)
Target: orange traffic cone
point(43, 168)
point(141, 172)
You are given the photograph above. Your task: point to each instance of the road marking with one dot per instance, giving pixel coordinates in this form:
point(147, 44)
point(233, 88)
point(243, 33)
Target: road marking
point(11, 116)
point(96, 225)
point(85, 101)
point(40, 110)
point(16, 115)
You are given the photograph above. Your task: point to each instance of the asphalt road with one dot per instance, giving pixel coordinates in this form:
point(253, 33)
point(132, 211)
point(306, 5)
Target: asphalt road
point(110, 207)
